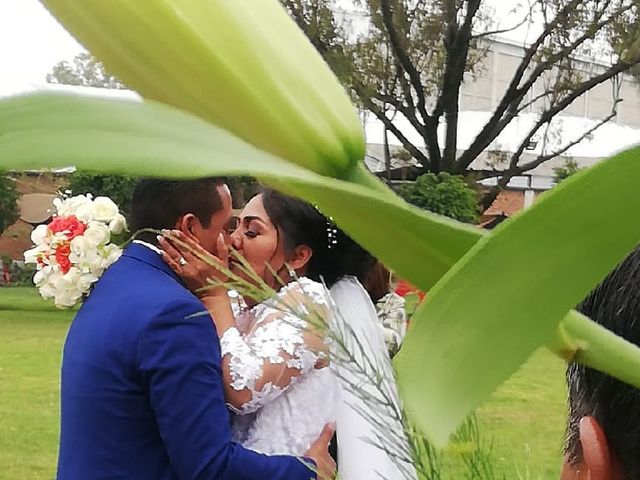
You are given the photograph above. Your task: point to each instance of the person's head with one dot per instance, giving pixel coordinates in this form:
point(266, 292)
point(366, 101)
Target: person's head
point(277, 231)
point(603, 431)
point(199, 208)
point(377, 281)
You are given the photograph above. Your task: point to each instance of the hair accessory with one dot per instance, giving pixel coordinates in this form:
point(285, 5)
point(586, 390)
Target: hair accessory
point(332, 234)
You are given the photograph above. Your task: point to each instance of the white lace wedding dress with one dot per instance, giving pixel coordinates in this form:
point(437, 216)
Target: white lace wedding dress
point(286, 413)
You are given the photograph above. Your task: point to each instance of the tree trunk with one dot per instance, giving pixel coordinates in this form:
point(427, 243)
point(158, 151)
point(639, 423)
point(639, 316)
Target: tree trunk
point(430, 136)
point(488, 198)
point(451, 140)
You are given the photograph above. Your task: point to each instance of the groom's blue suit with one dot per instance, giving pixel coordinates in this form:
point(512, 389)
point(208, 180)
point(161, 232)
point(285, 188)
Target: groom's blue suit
point(142, 391)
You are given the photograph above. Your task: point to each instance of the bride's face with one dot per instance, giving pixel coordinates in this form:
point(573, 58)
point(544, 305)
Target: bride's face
point(256, 239)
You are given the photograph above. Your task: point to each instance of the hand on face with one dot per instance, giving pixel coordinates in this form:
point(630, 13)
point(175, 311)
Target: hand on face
point(195, 266)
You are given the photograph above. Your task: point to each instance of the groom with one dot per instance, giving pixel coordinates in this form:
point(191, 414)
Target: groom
point(142, 388)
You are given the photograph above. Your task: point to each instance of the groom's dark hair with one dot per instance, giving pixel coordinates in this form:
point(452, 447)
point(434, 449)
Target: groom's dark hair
point(158, 203)
point(614, 304)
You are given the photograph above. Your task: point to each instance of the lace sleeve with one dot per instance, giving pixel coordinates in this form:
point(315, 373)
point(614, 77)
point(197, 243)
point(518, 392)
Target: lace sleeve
point(285, 342)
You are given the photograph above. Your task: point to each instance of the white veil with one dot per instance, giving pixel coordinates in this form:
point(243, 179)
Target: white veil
point(371, 440)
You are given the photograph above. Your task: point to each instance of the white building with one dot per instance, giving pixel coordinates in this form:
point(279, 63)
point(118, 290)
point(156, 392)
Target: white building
point(481, 95)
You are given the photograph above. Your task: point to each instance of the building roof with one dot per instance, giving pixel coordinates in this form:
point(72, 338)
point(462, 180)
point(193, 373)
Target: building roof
point(609, 139)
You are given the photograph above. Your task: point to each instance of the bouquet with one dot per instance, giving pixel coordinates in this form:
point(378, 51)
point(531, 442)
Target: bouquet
point(75, 248)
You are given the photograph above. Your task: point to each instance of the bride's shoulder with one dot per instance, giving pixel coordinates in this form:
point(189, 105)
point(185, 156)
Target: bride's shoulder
point(307, 288)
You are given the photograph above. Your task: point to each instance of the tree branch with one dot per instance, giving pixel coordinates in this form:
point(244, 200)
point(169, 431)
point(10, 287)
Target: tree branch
point(403, 58)
point(407, 111)
point(550, 113)
point(456, 45)
point(524, 106)
point(505, 30)
point(514, 169)
point(506, 176)
point(496, 124)
point(545, 158)
point(412, 149)
point(507, 107)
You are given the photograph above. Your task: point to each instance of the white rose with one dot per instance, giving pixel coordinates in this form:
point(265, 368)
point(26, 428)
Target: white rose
point(79, 245)
point(39, 278)
point(111, 254)
point(47, 290)
point(39, 235)
point(97, 234)
point(31, 256)
point(67, 298)
point(84, 212)
point(86, 280)
point(118, 225)
point(80, 206)
point(104, 209)
point(50, 282)
point(69, 288)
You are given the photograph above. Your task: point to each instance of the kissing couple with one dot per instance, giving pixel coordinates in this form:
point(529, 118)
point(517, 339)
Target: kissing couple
point(164, 379)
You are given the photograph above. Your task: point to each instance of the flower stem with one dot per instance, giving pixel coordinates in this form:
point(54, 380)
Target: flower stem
point(580, 339)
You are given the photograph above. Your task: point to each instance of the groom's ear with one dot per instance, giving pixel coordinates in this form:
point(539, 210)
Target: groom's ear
point(188, 224)
point(595, 460)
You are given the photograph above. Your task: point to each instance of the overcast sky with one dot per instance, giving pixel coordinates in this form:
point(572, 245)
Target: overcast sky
point(31, 42)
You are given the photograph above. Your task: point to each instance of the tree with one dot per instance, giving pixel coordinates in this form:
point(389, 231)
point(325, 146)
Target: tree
point(412, 57)
point(444, 194)
point(8, 202)
point(242, 189)
point(565, 171)
point(84, 70)
point(117, 187)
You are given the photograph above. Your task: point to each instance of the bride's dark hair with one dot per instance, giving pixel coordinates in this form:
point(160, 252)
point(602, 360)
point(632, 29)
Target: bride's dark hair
point(335, 254)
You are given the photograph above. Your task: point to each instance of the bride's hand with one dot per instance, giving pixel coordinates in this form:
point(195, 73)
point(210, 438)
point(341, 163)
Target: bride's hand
point(193, 264)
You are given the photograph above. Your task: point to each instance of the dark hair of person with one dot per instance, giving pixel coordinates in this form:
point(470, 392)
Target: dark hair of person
point(159, 203)
point(377, 281)
point(300, 223)
point(614, 304)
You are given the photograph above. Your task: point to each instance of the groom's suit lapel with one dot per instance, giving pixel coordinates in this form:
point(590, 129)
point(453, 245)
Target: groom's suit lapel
point(144, 254)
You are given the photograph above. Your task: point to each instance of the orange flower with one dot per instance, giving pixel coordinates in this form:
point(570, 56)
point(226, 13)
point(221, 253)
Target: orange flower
point(62, 257)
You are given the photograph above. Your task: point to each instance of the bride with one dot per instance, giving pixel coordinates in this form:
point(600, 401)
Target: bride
point(281, 379)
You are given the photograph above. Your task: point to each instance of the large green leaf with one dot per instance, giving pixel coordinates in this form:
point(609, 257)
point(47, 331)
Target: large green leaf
point(53, 130)
point(456, 336)
point(243, 65)
point(505, 297)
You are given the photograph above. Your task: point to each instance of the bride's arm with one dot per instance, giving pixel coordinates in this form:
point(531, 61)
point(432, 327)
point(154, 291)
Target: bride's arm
point(285, 342)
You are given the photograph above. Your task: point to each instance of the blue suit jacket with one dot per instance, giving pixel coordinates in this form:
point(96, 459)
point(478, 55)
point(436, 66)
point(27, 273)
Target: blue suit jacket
point(142, 392)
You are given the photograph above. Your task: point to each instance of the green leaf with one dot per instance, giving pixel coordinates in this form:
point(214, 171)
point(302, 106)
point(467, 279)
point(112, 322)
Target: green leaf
point(244, 66)
point(507, 295)
point(457, 337)
point(135, 138)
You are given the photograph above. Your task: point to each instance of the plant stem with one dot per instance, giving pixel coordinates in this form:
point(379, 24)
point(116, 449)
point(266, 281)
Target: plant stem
point(580, 339)
point(362, 176)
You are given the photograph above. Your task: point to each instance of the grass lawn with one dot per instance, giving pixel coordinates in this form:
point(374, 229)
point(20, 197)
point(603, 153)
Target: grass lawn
point(524, 419)
point(24, 298)
point(29, 374)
